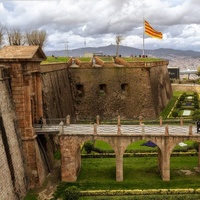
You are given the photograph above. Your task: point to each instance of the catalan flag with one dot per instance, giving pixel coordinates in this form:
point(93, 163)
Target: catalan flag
point(152, 32)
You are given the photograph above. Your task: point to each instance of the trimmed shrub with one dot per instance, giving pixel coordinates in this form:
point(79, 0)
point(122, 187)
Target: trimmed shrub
point(196, 117)
point(196, 146)
point(178, 105)
point(196, 105)
point(88, 146)
point(175, 113)
point(71, 193)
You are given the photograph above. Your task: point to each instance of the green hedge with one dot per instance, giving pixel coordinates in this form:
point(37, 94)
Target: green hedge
point(139, 192)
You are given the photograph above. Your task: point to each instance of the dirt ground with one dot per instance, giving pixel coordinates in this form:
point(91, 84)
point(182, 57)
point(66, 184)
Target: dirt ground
point(50, 184)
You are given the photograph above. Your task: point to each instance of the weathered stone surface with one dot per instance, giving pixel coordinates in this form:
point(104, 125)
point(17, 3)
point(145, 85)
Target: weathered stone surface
point(15, 185)
point(24, 88)
point(130, 91)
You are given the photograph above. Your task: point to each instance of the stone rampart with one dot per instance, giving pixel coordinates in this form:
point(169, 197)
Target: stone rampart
point(57, 96)
point(186, 87)
point(13, 181)
point(125, 91)
point(52, 67)
point(129, 90)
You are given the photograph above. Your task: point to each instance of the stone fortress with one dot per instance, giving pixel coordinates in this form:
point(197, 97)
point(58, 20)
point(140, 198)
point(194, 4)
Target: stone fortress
point(80, 89)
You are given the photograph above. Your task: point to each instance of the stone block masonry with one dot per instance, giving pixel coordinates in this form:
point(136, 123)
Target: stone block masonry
point(19, 138)
point(6, 187)
point(108, 90)
point(13, 181)
point(125, 91)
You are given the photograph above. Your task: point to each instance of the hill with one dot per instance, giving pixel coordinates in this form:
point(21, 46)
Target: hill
point(187, 59)
point(124, 51)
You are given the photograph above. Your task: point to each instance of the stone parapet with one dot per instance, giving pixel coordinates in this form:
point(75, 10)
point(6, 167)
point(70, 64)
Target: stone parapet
point(186, 87)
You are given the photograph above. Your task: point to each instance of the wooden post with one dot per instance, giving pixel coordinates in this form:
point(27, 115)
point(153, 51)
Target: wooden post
point(97, 120)
point(143, 131)
point(190, 129)
point(119, 129)
point(160, 120)
point(118, 120)
point(140, 119)
point(68, 120)
point(61, 128)
point(181, 121)
point(166, 129)
point(95, 129)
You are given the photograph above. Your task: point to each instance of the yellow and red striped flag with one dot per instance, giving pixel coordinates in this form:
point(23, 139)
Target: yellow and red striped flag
point(152, 32)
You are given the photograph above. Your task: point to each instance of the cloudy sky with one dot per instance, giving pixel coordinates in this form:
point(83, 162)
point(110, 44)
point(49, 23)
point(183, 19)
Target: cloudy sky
point(91, 23)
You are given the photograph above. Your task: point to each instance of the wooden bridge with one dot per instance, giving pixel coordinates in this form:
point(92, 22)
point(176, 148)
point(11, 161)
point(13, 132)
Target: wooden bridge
point(72, 137)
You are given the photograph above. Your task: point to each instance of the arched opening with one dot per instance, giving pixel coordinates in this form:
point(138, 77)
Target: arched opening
point(141, 163)
point(184, 161)
point(97, 162)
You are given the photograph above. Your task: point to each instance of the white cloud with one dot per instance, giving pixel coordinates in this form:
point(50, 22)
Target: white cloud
point(96, 22)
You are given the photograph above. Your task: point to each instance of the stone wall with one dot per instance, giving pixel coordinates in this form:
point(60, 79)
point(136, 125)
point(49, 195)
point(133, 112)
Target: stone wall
point(186, 88)
point(85, 91)
point(111, 100)
point(6, 187)
point(13, 181)
point(57, 96)
point(125, 91)
point(161, 89)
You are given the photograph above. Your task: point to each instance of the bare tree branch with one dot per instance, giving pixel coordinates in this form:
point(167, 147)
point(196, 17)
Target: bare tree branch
point(118, 40)
point(15, 37)
point(36, 37)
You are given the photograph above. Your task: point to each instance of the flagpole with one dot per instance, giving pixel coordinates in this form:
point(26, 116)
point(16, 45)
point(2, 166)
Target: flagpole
point(143, 39)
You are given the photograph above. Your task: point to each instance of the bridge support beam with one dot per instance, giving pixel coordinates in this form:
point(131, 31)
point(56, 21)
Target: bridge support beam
point(119, 167)
point(164, 166)
point(70, 160)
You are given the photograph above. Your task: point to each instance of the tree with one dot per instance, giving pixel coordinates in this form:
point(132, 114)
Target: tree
point(198, 71)
point(118, 40)
point(36, 37)
point(15, 37)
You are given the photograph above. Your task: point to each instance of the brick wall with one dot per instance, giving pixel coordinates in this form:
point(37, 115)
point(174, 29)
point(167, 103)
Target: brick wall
point(6, 187)
point(14, 185)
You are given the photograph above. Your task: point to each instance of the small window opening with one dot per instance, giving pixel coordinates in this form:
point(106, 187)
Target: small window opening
point(102, 88)
point(124, 87)
point(80, 90)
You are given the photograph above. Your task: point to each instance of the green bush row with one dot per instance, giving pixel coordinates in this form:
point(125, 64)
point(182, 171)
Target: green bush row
point(126, 155)
point(139, 192)
point(89, 148)
point(181, 104)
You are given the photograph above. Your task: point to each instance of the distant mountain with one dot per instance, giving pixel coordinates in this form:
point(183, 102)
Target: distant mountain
point(125, 51)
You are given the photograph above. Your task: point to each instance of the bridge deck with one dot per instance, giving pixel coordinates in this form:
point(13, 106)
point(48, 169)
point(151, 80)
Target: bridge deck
point(112, 129)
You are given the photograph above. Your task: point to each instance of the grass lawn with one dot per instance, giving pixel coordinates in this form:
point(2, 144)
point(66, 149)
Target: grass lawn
point(51, 59)
point(139, 173)
point(107, 59)
point(85, 59)
point(138, 147)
